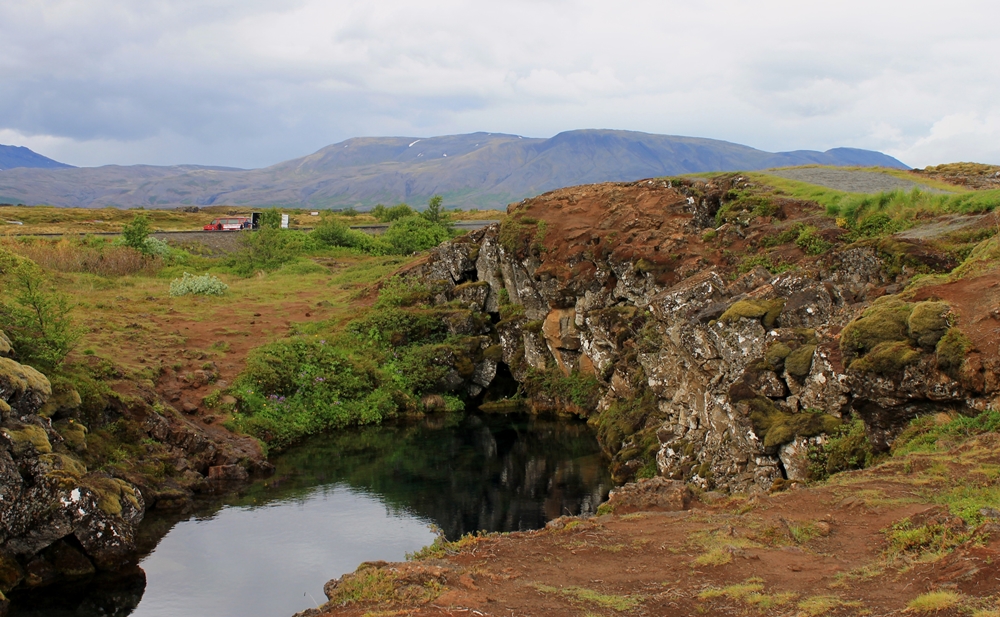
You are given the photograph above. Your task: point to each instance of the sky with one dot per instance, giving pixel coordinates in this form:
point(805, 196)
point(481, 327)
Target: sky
point(249, 83)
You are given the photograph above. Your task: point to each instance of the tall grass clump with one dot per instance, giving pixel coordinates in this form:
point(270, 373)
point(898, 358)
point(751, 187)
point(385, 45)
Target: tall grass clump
point(89, 255)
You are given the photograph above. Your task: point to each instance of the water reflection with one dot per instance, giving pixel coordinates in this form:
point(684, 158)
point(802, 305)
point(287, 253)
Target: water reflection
point(338, 500)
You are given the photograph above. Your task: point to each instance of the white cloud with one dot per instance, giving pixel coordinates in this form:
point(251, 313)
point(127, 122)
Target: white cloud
point(252, 82)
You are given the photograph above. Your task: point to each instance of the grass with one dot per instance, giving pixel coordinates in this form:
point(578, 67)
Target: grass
point(589, 596)
point(814, 606)
point(751, 593)
point(933, 601)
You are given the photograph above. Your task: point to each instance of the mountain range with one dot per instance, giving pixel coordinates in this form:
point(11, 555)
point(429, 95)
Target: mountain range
point(484, 170)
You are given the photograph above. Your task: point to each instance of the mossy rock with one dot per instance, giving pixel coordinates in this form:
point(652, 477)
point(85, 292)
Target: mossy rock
point(774, 355)
point(928, 322)
point(534, 325)
point(502, 406)
point(775, 427)
point(6, 347)
point(882, 322)
point(765, 310)
point(494, 352)
point(888, 358)
point(799, 361)
point(19, 382)
point(951, 351)
point(63, 400)
point(73, 432)
point(29, 435)
point(64, 470)
point(110, 492)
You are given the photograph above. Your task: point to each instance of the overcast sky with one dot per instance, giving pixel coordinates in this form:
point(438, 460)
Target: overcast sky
point(249, 83)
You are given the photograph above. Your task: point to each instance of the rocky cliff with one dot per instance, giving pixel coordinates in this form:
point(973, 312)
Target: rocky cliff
point(716, 332)
point(71, 499)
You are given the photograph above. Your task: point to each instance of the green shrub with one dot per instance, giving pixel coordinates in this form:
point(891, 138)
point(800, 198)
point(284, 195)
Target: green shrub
point(332, 232)
point(811, 242)
point(135, 233)
point(35, 317)
point(388, 215)
point(846, 448)
point(204, 285)
point(268, 249)
point(414, 233)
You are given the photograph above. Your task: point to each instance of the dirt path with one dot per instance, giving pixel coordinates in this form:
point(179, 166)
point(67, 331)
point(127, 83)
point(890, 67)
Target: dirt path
point(849, 180)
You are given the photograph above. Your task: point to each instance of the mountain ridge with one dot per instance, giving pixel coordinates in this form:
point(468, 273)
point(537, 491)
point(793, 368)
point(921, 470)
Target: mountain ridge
point(469, 170)
point(12, 157)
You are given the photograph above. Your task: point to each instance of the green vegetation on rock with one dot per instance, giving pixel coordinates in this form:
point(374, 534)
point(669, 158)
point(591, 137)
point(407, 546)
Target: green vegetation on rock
point(765, 310)
point(776, 427)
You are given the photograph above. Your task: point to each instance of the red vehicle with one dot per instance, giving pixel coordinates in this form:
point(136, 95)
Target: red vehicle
point(232, 223)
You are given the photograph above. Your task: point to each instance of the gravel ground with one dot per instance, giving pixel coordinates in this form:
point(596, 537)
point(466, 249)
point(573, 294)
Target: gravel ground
point(850, 181)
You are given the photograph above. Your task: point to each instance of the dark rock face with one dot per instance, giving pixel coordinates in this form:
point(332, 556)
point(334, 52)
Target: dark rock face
point(737, 374)
point(57, 519)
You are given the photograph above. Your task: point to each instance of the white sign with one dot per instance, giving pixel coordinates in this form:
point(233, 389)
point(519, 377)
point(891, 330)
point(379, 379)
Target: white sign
point(284, 221)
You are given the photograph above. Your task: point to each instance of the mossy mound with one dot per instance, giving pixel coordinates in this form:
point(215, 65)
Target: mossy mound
point(799, 361)
point(21, 382)
point(927, 323)
point(26, 435)
point(775, 427)
point(73, 432)
point(884, 321)
point(65, 470)
point(765, 310)
point(775, 355)
point(950, 351)
point(110, 492)
point(64, 399)
point(888, 358)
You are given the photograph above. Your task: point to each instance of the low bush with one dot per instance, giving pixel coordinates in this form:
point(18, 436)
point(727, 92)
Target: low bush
point(414, 233)
point(204, 285)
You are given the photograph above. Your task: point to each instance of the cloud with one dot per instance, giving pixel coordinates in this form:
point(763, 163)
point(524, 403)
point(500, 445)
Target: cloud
point(252, 82)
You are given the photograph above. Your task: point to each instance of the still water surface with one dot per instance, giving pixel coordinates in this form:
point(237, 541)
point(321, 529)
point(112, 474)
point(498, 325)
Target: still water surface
point(337, 500)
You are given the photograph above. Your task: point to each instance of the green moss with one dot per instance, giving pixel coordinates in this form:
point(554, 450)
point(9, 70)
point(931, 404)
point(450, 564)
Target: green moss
point(534, 326)
point(493, 352)
point(775, 355)
point(766, 310)
point(110, 492)
point(799, 361)
point(884, 321)
point(64, 470)
point(847, 448)
point(928, 322)
point(888, 358)
point(951, 350)
point(23, 378)
point(775, 427)
point(29, 434)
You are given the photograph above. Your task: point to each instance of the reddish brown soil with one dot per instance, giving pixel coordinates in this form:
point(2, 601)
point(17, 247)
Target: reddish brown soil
point(650, 557)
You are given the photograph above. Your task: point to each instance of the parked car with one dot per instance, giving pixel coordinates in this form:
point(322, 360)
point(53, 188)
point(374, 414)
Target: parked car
point(231, 223)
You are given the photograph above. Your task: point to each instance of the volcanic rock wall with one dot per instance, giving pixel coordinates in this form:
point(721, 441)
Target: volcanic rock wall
point(716, 345)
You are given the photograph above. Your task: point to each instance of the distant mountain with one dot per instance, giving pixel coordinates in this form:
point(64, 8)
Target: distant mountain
point(474, 170)
point(19, 156)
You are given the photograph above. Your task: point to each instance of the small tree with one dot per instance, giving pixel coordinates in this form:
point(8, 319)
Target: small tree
point(434, 213)
point(134, 234)
point(38, 320)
